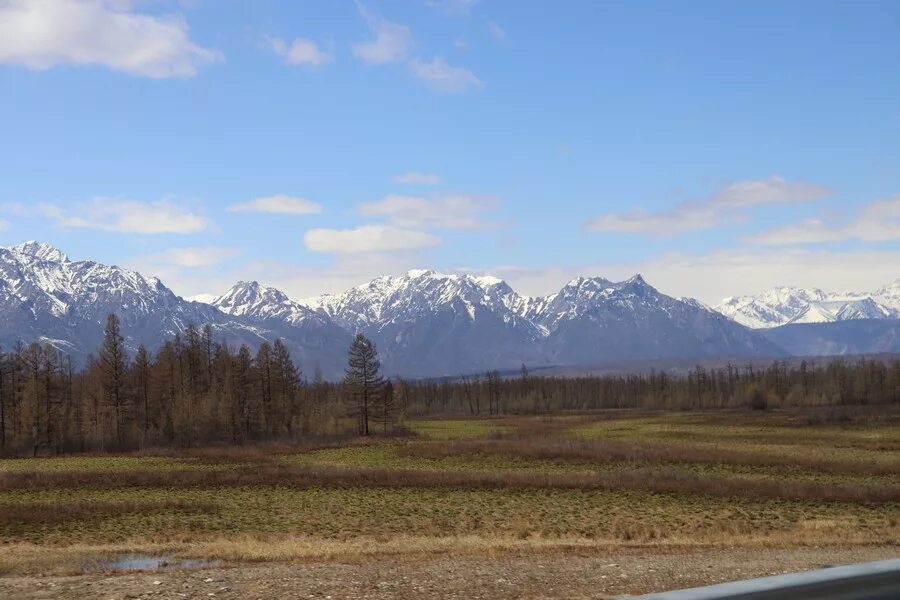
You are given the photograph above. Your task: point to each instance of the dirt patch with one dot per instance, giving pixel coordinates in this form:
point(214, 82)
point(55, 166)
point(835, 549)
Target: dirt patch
point(569, 574)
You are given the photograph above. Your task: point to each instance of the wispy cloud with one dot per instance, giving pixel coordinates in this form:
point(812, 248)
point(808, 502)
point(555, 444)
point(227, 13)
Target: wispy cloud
point(392, 40)
point(278, 204)
point(453, 8)
point(716, 275)
point(128, 216)
point(497, 32)
point(40, 34)
point(877, 221)
point(191, 256)
point(418, 178)
point(392, 44)
point(440, 76)
point(301, 51)
point(368, 238)
point(451, 211)
point(724, 205)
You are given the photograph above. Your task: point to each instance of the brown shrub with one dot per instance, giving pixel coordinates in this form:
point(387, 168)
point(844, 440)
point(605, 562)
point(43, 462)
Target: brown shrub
point(604, 451)
point(53, 513)
point(647, 480)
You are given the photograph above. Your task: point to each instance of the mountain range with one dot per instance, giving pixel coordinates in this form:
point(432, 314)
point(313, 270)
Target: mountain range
point(788, 305)
point(427, 323)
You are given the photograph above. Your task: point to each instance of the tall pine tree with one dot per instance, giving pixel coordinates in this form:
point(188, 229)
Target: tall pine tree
point(362, 381)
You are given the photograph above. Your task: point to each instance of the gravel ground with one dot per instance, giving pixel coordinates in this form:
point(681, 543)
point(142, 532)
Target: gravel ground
point(549, 575)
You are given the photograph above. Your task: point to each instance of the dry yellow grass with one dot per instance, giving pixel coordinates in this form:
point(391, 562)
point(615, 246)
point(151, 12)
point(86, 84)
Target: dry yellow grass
point(40, 559)
point(281, 504)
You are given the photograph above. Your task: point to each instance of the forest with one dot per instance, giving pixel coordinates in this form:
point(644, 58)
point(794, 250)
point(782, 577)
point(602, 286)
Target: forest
point(195, 391)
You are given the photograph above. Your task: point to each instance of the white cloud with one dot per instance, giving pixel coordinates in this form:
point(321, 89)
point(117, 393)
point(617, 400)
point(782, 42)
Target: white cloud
point(128, 216)
point(461, 43)
point(40, 34)
point(440, 76)
point(417, 178)
point(391, 44)
point(368, 238)
point(204, 298)
point(342, 272)
point(300, 52)
point(877, 221)
point(278, 204)
point(191, 257)
point(717, 275)
point(451, 211)
point(722, 206)
point(4, 225)
point(497, 32)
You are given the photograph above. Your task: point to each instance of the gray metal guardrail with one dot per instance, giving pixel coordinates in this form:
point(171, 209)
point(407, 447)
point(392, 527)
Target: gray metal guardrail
point(867, 581)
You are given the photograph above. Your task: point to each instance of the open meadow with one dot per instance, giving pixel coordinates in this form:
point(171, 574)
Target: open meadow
point(503, 495)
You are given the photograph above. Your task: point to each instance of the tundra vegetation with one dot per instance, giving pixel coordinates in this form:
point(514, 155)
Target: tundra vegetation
point(207, 452)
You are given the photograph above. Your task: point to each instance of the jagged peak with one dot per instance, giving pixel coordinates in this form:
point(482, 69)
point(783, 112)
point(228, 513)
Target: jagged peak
point(40, 250)
point(420, 273)
point(594, 282)
point(250, 289)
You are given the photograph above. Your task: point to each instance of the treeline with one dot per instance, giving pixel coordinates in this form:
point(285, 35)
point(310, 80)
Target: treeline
point(839, 382)
point(193, 391)
point(197, 391)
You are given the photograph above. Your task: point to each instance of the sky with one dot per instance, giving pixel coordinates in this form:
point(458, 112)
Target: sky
point(718, 148)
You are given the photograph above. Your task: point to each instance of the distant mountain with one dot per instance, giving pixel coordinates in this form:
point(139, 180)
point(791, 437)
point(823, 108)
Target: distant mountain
point(785, 305)
point(429, 324)
point(45, 296)
point(594, 320)
point(868, 336)
point(315, 341)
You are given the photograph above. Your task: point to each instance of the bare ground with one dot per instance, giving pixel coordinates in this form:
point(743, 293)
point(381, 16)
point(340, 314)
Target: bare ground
point(554, 574)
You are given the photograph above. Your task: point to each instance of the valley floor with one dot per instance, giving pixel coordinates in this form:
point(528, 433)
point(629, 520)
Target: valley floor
point(593, 505)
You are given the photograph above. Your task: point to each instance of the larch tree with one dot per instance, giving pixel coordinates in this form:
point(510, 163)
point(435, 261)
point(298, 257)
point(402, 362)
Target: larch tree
point(113, 366)
point(142, 387)
point(363, 383)
point(287, 381)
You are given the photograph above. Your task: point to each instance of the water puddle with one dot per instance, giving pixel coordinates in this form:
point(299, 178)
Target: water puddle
point(146, 562)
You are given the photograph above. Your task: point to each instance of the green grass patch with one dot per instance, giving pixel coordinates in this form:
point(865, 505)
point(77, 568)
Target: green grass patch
point(351, 512)
point(392, 456)
point(452, 429)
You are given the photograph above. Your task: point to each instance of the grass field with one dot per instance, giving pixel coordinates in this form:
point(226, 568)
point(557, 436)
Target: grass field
point(469, 486)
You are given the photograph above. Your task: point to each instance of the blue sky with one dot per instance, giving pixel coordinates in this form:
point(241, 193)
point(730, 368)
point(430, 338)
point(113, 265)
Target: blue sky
point(716, 147)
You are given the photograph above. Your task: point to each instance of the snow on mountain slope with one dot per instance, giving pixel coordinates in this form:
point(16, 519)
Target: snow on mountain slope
point(419, 292)
point(251, 299)
point(46, 296)
point(427, 322)
point(889, 297)
point(841, 310)
point(424, 322)
point(314, 339)
point(783, 305)
point(595, 320)
point(770, 308)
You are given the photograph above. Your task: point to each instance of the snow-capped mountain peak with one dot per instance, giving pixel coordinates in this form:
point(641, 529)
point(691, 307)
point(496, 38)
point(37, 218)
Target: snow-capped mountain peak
point(256, 301)
point(40, 251)
point(783, 305)
point(420, 291)
point(246, 297)
point(424, 322)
